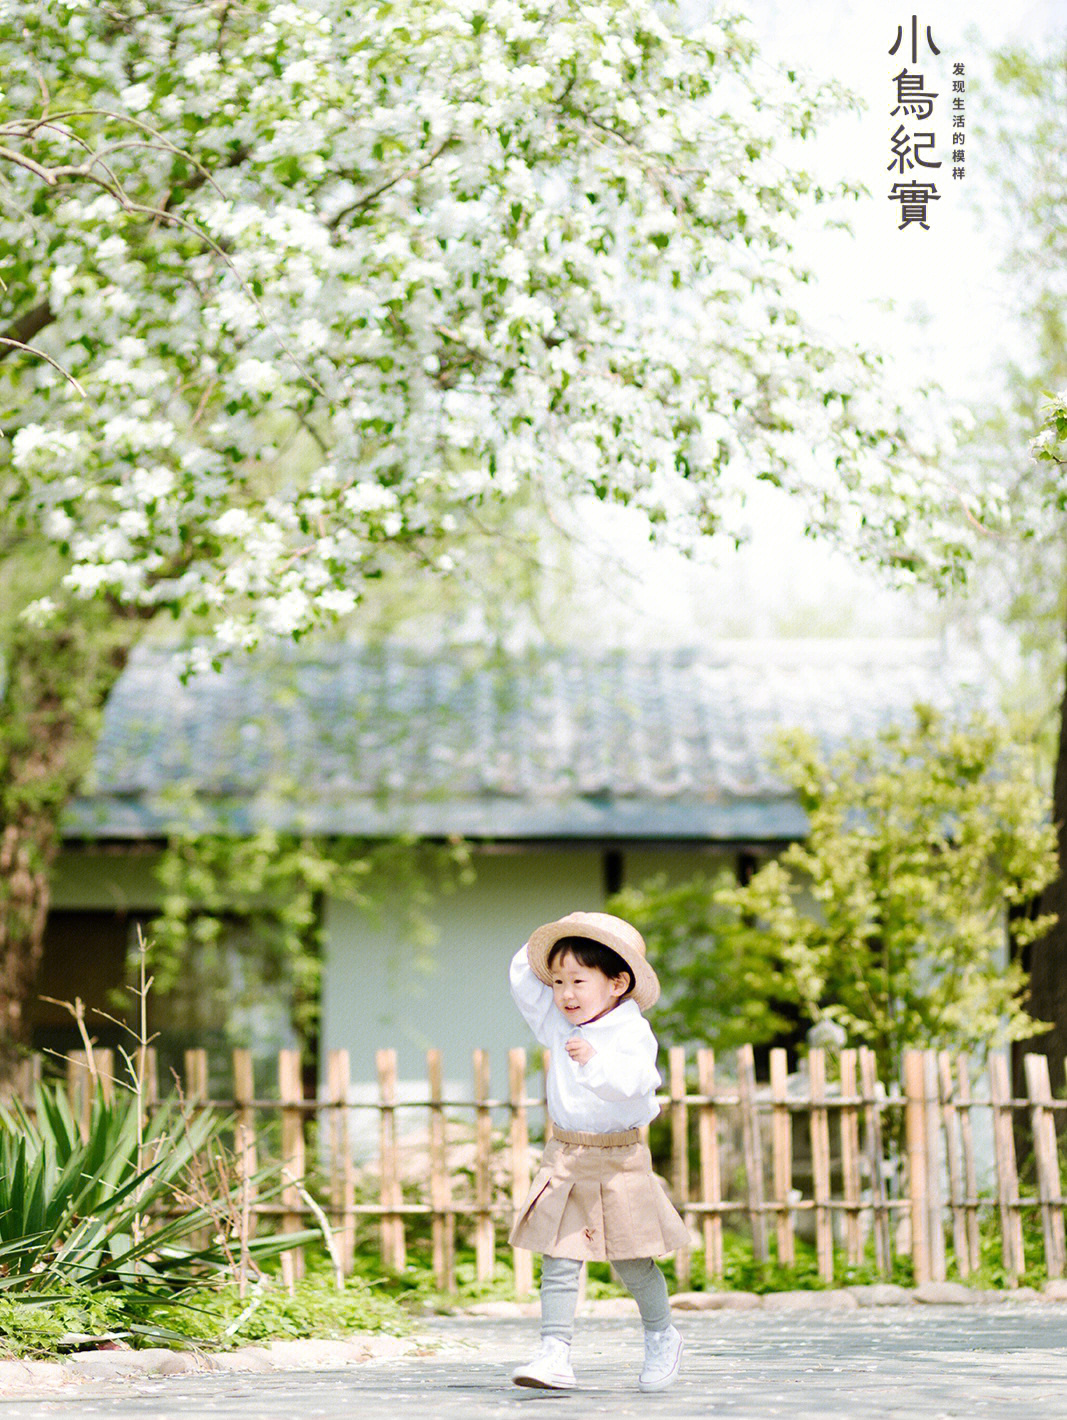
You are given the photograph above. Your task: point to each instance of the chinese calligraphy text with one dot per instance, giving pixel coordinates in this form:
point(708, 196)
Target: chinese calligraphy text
point(913, 141)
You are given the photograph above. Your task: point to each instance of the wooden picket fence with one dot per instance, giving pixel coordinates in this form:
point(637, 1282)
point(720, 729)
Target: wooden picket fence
point(864, 1169)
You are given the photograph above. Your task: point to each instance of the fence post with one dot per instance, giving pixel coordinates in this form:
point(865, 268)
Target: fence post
point(680, 1154)
point(935, 1226)
point(820, 1165)
point(150, 1086)
point(753, 1150)
point(782, 1159)
point(243, 1094)
point(342, 1177)
point(484, 1232)
point(710, 1166)
point(195, 1071)
point(291, 1094)
point(27, 1078)
point(522, 1260)
point(915, 1144)
point(1011, 1228)
point(80, 1089)
point(970, 1171)
point(444, 1222)
point(873, 1133)
point(394, 1250)
point(1049, 1183)
point(105, 1064)
point(850, 1158)
point(195, 1062)
point(950, 1116)
point(244, 1141)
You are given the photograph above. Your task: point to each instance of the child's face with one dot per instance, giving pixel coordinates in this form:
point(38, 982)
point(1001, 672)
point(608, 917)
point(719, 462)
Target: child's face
point(582, 992)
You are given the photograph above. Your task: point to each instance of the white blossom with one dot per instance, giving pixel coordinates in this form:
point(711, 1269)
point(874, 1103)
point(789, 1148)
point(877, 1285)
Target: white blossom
point(256, 376)
point(40, 613)
point(367, 497)
point(394, 297)
point(336, 601)
point(58, 524)
point(136, 97)
point(235, 523)
point(285, 614)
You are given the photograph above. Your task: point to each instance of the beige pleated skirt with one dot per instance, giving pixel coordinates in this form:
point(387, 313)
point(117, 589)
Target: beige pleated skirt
point(595, 1198)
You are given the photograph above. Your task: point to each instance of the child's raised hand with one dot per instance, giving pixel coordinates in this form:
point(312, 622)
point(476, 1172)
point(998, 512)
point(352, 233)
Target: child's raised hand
point(579, 1049)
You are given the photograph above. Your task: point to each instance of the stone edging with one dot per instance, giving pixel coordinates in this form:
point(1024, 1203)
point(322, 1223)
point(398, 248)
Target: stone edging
point(879, 1294)
point(42, 1377)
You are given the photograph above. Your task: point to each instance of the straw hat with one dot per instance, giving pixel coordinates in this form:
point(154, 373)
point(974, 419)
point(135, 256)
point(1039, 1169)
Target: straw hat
point(601, 927)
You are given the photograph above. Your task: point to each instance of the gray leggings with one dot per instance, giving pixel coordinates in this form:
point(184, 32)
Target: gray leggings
point(559, 1293)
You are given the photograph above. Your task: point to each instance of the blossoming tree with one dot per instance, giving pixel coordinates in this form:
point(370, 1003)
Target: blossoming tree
point(289, 289)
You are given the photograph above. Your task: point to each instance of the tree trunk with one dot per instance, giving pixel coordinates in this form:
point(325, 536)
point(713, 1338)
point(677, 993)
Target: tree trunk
point(1046, 959)
point(57, 682)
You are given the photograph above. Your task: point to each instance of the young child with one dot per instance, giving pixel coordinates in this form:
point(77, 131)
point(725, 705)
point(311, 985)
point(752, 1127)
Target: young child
point(582, 983)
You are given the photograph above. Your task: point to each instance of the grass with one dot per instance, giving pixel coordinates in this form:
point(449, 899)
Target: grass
point(215, 1318)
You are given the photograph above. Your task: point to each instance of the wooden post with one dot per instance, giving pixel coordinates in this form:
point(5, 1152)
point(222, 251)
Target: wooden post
point(244, 1147)
point(915, 1144)
point(342, 1174)
point(752, 1146)
point(820, 1165)
point(28, 1076)
point(782, 1159)
point(394, 1249)
point(105, 1066)
point(195, 1091)
point(970, 1170)
point(679, 1154)
point(484, 1232)
point(522, 1260)
point(850, 1159)
point(1011, 1228)
point(1049, 1183)
point(710, 1166)
point(935, 1225)
point(80, 1090)
point(291, 1094)
point(873, 1138)
point(195, 1077)
point(951, 1119)
point(151, 1076)
point(444, 1222)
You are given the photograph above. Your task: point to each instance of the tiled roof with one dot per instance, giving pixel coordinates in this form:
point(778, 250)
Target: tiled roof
point(350, 739)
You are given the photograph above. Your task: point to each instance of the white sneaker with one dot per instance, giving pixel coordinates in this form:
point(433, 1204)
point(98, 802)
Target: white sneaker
point(550, 1369)
point(663, 1354)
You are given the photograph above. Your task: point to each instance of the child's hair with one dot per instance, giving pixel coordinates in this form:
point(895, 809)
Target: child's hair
point(592, 954)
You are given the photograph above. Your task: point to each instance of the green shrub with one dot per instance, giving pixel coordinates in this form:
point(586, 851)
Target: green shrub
point(93, 1211)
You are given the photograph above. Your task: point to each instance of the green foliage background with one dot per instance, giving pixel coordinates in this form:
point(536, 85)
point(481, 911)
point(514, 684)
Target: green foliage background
point(889, 918)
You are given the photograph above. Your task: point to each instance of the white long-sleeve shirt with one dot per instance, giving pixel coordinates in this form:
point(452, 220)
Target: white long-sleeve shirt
point(616, 1088)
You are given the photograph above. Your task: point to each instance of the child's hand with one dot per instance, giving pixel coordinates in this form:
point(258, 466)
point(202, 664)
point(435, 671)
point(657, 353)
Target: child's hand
point(579, 1049)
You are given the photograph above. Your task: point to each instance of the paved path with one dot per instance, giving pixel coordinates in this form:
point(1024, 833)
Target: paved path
point(912, 1363)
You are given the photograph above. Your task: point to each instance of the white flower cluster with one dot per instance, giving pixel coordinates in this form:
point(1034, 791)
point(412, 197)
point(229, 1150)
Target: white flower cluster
point(401, 274)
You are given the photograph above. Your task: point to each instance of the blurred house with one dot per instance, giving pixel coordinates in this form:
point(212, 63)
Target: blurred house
point(569, 772)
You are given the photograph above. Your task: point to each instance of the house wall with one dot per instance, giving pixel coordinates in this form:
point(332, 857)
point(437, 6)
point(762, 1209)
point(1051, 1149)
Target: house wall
point(121, 881)
point(379, 991)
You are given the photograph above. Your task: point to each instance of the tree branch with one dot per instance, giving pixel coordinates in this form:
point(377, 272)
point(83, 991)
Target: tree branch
point(41, 355)
point(26, 327)
point(364, 202)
